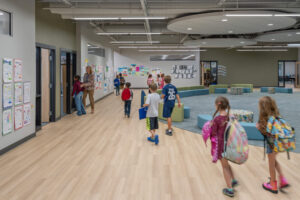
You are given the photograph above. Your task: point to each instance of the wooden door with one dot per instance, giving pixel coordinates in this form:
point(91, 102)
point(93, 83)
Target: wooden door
point(297, 75)
point(45, 65)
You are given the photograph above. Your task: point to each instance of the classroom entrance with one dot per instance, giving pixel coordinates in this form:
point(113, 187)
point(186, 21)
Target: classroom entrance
point(68, 71)
point(45, 85)
point(297, 83)
point(209, 73)
point(287, 73)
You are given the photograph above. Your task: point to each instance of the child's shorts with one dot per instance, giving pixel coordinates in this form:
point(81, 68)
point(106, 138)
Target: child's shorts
point(151, 123)
point(269, 150)
point(167, 111)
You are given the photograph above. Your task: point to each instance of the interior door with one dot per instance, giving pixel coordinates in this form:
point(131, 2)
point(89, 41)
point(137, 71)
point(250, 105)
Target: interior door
point(65, 84)
point(38, 98)
point(45, 93)
point(297, 81)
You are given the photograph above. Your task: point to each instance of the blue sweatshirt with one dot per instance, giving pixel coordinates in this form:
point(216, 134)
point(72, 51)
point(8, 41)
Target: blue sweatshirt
point(117, 82)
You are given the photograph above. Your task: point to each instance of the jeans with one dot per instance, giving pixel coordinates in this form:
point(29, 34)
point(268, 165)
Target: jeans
point(79, 104)
point(127, 107)
point(117, 90)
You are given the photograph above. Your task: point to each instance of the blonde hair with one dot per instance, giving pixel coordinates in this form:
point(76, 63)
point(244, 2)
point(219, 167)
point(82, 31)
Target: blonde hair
point(267, 108)
point(91, 69)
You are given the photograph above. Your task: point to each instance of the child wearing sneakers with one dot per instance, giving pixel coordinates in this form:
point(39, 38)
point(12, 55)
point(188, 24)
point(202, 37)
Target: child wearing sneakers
point(152, 102)
point(127, 96)
point(218, 127)
point(169, 94)
point(267, 111)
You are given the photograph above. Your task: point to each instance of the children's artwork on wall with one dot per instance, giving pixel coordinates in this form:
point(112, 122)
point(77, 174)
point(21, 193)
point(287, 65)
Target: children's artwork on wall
point(136, 70)
point(7, 70)
point(6, 122)
point(27, 114)
point(105, 88)
point(27, 92)
point(18, 93)
point(184, 71)
point(18, 70)
point(222, 70)
point(7, 98)
point(18, 117)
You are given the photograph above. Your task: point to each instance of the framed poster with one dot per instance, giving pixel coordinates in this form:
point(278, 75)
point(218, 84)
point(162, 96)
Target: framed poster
point(18, 93)
point(7, 70)
point(27, 92)
point(6, 122)
point(18, 70)
point(27, 114)
point(7, 98)
point(18, 117)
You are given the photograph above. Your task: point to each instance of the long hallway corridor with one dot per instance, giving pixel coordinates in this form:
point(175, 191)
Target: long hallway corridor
point(106, 156)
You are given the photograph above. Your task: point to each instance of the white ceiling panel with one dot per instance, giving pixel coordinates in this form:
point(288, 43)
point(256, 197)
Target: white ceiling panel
point(280, 36)
point(220, 42)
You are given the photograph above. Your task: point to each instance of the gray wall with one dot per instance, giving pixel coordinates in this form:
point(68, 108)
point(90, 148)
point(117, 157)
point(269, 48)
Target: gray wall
point(52, 30)
point(21, 45)
point(128, 57)
point(258, 68)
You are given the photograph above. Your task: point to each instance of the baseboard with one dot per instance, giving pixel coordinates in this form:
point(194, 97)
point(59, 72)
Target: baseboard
point(14, 145)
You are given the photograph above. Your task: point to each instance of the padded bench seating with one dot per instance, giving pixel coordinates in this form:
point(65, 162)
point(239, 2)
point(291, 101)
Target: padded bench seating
point(189, 93)
point(246, 90)
point(220, 90)
point(177, 114)
point(284, 90)
point(213, 87)
point(250, 128)
point(244, 86)
point(187, 112)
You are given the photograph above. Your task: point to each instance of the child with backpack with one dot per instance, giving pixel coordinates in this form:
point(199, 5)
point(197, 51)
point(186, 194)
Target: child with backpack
point(274, 128)
point(152, 102)
point(218, 128)
point(127, 96)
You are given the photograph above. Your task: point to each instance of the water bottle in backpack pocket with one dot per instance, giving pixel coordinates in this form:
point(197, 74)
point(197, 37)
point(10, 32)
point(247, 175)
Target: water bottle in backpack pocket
point(236, 147)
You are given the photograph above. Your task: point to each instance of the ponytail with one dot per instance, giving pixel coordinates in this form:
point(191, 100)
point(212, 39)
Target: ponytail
point(228, 113)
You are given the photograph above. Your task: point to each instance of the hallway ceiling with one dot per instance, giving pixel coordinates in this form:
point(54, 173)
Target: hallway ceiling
point(180, 21)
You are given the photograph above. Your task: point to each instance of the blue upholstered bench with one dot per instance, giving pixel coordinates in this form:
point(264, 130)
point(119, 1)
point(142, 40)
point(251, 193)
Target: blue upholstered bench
point(187, 112)
point(189, 93)
point(252, 132)
point(202, 119)
point(220, 90)
point(143, 94)
point(250, 128)
point(264, 89)
point(284, 90)
point(246, 90)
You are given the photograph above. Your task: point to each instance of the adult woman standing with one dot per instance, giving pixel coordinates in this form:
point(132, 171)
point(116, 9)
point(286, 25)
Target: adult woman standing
point(88, 84)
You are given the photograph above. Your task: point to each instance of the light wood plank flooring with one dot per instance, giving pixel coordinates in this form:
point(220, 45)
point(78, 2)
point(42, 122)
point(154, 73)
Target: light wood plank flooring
point(105, 156)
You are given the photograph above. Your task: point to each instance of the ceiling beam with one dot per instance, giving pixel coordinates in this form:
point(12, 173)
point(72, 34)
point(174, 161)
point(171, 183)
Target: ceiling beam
point(147, 24)
point(184, 38)
point(98, 29)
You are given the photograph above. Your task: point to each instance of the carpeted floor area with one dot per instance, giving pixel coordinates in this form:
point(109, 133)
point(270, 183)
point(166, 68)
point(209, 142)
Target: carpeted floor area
point(289, 106)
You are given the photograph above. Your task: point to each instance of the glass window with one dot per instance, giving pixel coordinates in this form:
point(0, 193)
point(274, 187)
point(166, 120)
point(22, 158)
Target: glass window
point(5, 23)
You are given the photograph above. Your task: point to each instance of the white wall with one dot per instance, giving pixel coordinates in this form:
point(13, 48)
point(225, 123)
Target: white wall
point(85, 36)
point(127, 57)
point(22, 46)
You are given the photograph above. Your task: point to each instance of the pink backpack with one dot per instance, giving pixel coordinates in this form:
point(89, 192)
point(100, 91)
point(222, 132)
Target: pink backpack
point(206, 133)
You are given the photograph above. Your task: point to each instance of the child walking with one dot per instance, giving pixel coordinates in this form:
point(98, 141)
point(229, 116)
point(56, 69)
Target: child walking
point(152, 102)
point(117, 85)
point(268, 111)
point(169, 94)
point(219, 124)
point(78, 94)
point(127, 96)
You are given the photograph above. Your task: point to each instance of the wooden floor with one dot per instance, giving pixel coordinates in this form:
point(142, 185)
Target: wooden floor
point(105, 156)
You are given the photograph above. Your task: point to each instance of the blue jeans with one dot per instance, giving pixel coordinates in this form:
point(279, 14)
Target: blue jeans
point(127, 107)
point(79, 104)
point(117, 90)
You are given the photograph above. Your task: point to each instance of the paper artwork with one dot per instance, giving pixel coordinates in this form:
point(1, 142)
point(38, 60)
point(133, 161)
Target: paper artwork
point(18, 117)
point(18, 70)
point(18, 93)
point(27, 114)
point(7, 70)
point(27, 92)
point(6, 122)
point(7, 97)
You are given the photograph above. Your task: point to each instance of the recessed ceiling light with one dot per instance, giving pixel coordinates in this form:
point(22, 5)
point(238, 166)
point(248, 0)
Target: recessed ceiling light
point(118, 18)
point(189, 29)
point(175, 50)
point(270, 24)
point(294, 45)
point(272, 39)
point(1, 13)
point(242, 42)
point(134, 42)
point(288, 15)
point(224, 20)
point(230, 31)
point(298, 33)
point(127, 33)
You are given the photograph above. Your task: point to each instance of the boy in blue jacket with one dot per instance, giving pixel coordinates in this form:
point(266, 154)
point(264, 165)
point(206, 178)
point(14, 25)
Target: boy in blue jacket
point(117, 85)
